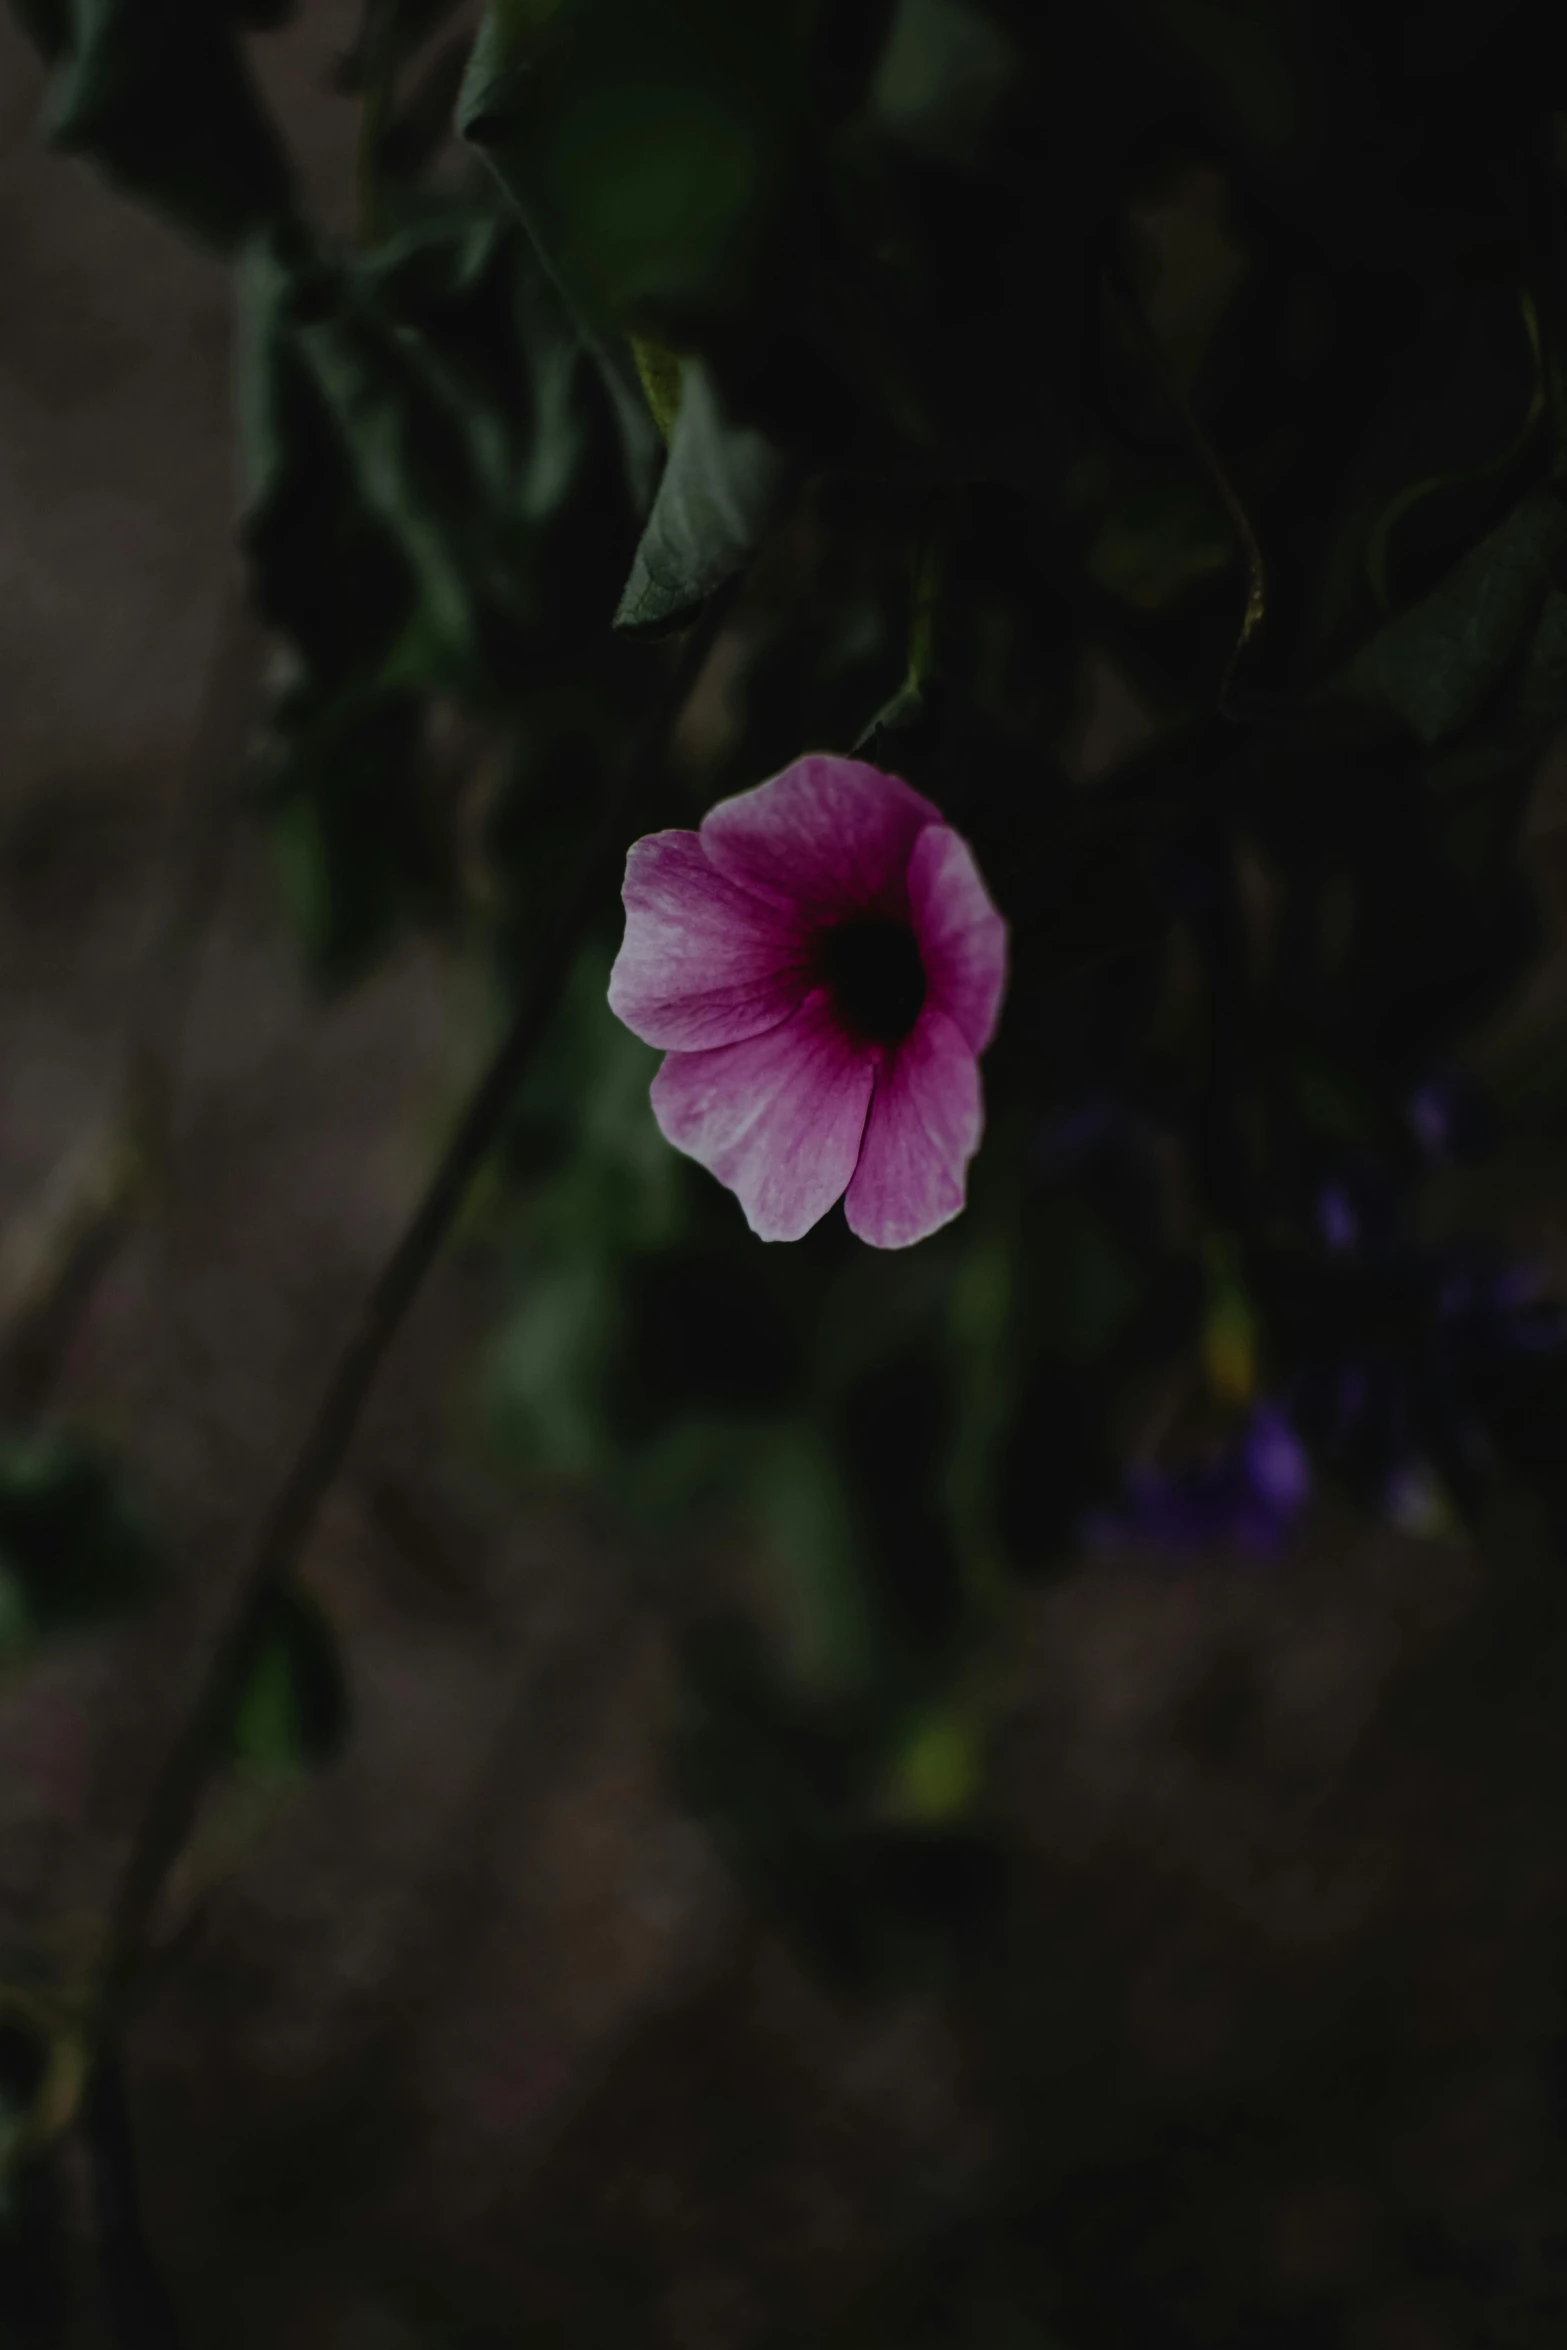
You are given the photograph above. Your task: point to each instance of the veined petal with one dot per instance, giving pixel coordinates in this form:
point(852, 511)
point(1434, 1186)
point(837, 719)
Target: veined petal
point(962, 939)
point(923, 1129)
point(778, 1118)
point(828, 836)
point(702, 963)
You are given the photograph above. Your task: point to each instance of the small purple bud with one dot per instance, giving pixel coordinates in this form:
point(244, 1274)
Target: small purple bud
point(1431, 1116)
point(1276, 1461)
point(1340, 1225)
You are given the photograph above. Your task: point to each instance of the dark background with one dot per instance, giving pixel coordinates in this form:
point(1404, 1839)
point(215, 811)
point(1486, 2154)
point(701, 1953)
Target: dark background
point(474, 2040)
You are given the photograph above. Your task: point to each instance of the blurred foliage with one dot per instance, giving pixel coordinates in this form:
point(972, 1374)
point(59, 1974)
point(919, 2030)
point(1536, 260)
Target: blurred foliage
point(73, 1551)
point(962, 345)
point(157, 94)
point(294, 1713)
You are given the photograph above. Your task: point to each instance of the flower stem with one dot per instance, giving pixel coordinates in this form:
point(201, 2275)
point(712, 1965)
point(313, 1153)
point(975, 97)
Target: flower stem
point(1135, 326)
point(176, 1795)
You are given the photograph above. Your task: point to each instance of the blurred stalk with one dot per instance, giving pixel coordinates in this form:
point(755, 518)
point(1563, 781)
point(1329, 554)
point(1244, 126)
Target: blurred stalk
point(172, 1807)
point(139, 2305)
point(1129, 316)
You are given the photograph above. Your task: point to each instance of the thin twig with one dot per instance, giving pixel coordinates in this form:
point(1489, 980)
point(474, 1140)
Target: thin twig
point(53, 1261)
point(176, 1795)
point(139, 2305)
point(1141, 334)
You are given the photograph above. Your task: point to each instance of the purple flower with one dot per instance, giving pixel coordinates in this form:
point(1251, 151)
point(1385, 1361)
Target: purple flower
point(1337, 1217)
point(823, 968)
point(1417, 1363)
point(1248, 1496)
point(1450, 1117)
point(1431, 1117)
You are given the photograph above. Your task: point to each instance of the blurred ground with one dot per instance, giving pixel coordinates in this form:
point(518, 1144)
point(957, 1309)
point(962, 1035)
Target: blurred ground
point(475, 2044)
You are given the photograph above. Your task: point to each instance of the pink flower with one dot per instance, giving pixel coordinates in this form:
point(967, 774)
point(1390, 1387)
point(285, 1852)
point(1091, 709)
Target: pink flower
point(823, 967)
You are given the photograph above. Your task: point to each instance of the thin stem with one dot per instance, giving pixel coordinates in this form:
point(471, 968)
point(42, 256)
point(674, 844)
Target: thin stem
point(925, 584)
point(139, 2305)
point(1136, 327)
point(176, 1795)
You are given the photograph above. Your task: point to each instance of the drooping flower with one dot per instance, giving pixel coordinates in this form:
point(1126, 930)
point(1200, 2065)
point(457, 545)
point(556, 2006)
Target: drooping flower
point(822, 967)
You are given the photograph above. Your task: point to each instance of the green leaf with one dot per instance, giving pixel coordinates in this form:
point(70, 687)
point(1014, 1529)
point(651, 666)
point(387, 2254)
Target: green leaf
point(721, 487)
point(293, 1715)
point(419, 364)
point(156, 93)
point(411, 471)
point(1157, 544)
point(1245, 55)
point(1542, 690)
point(73, 1550)
point(543, 1405)
point(659, 371)
point(946, 71)
point(426, 438)
point(937, 1773)
point(1434, 665)
point(325, 573)
point(1379, 542)
point(645, 142)
point(358, 833)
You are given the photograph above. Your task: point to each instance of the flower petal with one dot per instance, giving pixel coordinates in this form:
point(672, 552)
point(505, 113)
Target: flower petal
point(962, 939)
point(778, 1118)
point(923, 1129)
point(828, 836)
point(702, 963)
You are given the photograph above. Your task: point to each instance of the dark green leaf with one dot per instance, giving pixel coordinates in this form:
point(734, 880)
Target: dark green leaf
point(1434, 665)
point(156, 93)
point(946, 71)
point(294, 1712)
point(357, 829)
point(644, 141)
point(72, 1549)
point(1152, 548)
point(1542, 690)
point(720, 489)
point(410, 469)
point(325, 572)
point(419, 428)
point(1245, 52)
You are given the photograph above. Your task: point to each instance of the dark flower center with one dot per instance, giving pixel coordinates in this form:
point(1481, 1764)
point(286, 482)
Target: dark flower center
point(876, 976)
